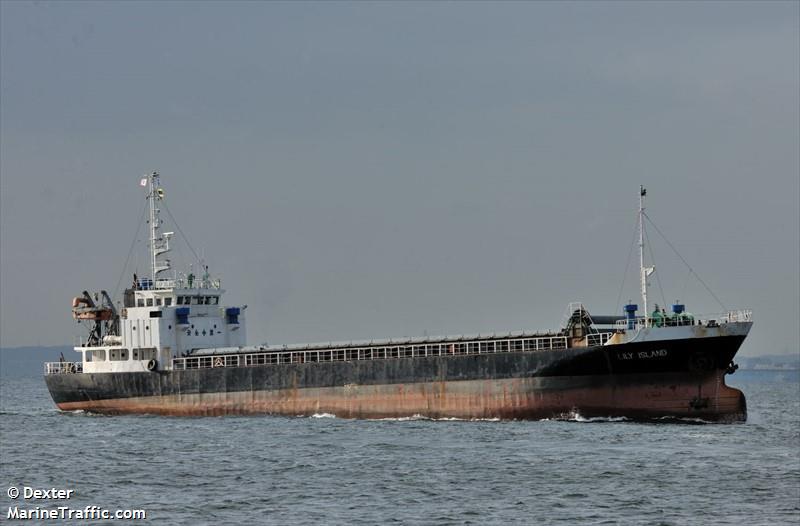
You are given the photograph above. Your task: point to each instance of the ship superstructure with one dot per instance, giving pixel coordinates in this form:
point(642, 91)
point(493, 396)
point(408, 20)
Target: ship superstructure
point(171, 347)
point(161, 317)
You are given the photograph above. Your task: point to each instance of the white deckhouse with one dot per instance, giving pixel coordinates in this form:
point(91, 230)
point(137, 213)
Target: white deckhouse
point(160, 318)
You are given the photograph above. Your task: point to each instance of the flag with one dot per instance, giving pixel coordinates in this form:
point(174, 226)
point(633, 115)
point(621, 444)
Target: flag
point(143, 182)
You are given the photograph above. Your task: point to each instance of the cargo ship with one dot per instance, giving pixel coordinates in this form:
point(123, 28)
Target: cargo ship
point(171, 347)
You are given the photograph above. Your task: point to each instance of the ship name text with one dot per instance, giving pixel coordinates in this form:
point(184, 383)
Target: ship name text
point(642, 355)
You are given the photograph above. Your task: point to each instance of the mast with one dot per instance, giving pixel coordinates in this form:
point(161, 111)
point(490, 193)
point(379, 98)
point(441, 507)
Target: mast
point(152, 180)
point(159, 243)
point(643, 271)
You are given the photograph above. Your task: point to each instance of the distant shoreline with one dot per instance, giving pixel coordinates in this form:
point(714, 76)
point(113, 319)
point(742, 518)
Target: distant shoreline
point(769, 369)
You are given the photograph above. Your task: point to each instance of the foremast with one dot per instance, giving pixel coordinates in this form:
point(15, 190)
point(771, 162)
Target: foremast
point(644, 272)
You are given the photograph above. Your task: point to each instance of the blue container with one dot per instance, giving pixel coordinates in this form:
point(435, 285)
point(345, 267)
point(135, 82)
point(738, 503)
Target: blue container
point(678, 308)
point(232, 315)
point(630, 314)
point(182, 314)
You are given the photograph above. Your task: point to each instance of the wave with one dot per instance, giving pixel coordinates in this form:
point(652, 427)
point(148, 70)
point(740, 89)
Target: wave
point(436, 419)
point(322, 415)
point(575, 416)
point(412, 418)
point(32, 412)
point(683, 420)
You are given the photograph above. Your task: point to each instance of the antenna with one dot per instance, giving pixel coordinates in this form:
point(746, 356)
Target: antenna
point(159, 243)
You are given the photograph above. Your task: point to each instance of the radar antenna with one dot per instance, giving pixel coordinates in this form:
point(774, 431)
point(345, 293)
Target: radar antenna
point(159, 243)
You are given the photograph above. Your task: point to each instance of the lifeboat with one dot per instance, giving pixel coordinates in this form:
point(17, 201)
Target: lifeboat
point(82, 309)
point(89, 313)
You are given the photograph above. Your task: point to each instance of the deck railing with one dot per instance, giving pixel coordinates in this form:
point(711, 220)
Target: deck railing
point(178, 283)
point(63, 367)
point(599, 338)
point(371, 353)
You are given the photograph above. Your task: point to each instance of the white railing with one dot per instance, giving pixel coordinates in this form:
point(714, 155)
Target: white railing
point(672, 320)
point(178, 283)
point(371, 353)
point(598, 339)
point(63, 367)
point(738, 315)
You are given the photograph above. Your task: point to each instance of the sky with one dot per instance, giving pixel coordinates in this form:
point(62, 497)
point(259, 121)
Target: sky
point(372, 170)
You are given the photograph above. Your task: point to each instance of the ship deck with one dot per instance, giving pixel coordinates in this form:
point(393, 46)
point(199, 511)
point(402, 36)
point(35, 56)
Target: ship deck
point(381, 350)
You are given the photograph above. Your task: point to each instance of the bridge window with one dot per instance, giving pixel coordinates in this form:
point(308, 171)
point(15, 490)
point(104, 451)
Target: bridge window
point(149, 302)
point(167, 301)
point(140, 302)
point(180, 300)
point(98, 355)
point(214, 300)
point(158, 301)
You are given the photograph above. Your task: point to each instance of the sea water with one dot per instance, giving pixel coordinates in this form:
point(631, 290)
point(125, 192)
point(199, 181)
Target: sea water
point(326, 470)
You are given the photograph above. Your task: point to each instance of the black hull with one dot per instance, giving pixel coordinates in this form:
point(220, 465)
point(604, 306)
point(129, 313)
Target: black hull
point(668, 378)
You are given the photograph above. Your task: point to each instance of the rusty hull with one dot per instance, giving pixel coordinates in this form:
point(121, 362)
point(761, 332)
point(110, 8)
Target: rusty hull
point(472, 399)
point(647, 380)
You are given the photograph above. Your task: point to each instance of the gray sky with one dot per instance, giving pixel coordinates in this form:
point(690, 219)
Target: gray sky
point(367, 170)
